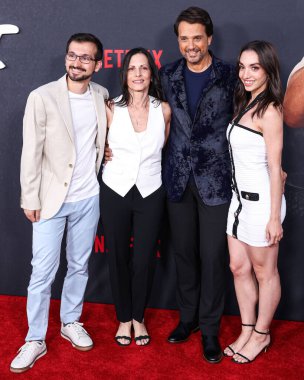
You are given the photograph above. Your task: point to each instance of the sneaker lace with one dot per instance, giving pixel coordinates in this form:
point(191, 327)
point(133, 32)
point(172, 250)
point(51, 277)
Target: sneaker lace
point(79, 329)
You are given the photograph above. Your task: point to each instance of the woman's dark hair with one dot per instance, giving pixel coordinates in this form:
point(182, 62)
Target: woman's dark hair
point(273, 93)
point(195, 15)
point(87, 37)
point(155, 88)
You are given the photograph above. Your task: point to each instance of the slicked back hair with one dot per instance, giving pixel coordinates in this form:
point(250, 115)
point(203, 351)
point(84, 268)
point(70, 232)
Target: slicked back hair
point(195, 15)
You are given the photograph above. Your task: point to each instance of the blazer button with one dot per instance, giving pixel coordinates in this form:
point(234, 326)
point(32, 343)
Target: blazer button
point(65, 184)
point(70, 165)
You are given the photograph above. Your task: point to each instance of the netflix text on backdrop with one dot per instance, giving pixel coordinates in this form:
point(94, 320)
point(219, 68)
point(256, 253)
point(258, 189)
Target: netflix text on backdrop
point(113, 57)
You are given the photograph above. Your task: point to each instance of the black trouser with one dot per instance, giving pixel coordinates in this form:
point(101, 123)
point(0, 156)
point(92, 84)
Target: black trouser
point(131, 277)
point(200, 247)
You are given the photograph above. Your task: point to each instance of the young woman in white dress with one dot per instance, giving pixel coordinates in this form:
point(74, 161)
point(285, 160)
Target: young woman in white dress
point(257, 208)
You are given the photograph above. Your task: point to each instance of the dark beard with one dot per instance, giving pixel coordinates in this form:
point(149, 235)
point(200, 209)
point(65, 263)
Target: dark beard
point(79, 79)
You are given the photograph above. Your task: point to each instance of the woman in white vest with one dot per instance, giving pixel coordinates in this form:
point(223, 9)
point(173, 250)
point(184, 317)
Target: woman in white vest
point(132, 195)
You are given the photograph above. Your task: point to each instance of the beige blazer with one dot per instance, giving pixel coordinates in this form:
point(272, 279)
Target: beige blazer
point(48, 153)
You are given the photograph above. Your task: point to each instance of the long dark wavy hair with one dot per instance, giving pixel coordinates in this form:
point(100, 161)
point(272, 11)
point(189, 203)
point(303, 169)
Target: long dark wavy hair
point(273, 93)
point(155, 88)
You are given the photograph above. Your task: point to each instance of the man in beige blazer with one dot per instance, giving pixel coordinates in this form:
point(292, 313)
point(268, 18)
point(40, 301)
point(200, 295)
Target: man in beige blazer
point(64, 132)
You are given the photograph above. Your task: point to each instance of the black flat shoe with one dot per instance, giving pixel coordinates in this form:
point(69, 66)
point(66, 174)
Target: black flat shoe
point(182, 332)
point(140, 337)
point(212, 352)
point(123, 337)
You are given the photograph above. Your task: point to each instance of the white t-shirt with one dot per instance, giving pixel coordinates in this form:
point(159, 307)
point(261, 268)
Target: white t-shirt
point(84, 182)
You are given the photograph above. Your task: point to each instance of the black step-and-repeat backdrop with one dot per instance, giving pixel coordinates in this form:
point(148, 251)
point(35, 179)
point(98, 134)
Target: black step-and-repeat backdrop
point(35, 56)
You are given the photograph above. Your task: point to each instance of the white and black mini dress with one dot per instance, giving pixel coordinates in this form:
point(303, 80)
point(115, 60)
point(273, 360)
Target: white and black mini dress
point(249, 210)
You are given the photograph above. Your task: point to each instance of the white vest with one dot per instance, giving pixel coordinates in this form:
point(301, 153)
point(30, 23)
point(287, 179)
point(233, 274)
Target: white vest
point(135, 161)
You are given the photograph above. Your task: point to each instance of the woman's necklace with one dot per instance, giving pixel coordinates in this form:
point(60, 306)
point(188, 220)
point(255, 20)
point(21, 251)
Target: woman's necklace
point(139, 115)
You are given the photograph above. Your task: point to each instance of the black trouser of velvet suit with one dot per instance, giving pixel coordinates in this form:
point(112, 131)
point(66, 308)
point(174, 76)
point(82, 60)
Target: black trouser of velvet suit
point(131, 277)
point(200, 247)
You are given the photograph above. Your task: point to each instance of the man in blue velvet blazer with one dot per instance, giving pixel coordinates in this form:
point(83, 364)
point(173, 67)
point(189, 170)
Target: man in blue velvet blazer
point(196, 174)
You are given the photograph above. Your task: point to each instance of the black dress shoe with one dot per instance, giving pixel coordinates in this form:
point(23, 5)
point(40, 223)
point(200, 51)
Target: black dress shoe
point(182, 332)
point(211, 349)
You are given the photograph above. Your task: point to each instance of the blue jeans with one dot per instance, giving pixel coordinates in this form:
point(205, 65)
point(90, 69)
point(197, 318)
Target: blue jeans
point(81, 219)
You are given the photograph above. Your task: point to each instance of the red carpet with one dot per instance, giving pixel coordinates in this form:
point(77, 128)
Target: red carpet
point(159, 360)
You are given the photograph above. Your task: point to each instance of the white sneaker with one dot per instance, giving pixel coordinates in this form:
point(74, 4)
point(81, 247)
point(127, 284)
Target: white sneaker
point(77, 335)
point(27, 355)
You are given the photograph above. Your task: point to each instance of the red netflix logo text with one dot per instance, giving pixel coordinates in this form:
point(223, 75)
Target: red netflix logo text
point(99, 245)
point(113, 57)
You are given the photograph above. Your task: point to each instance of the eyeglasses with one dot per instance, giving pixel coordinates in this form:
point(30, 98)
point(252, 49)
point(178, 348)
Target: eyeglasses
point(82, 58)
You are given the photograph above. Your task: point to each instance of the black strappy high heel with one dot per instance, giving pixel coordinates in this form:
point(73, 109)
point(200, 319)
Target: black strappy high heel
point(263, 349)
point(230, 348)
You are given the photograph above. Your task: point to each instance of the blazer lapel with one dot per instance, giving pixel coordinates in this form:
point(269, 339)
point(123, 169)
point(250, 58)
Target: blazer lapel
point(64, 106)
point(215, 76)
point(178, 87)
point(99, 104)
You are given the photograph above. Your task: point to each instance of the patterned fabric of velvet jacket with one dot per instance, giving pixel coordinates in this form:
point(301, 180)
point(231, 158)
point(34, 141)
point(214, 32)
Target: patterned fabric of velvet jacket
point(200, 144)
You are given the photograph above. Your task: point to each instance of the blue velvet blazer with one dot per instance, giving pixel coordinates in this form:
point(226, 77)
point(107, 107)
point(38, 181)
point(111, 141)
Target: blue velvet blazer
point(199, 145)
